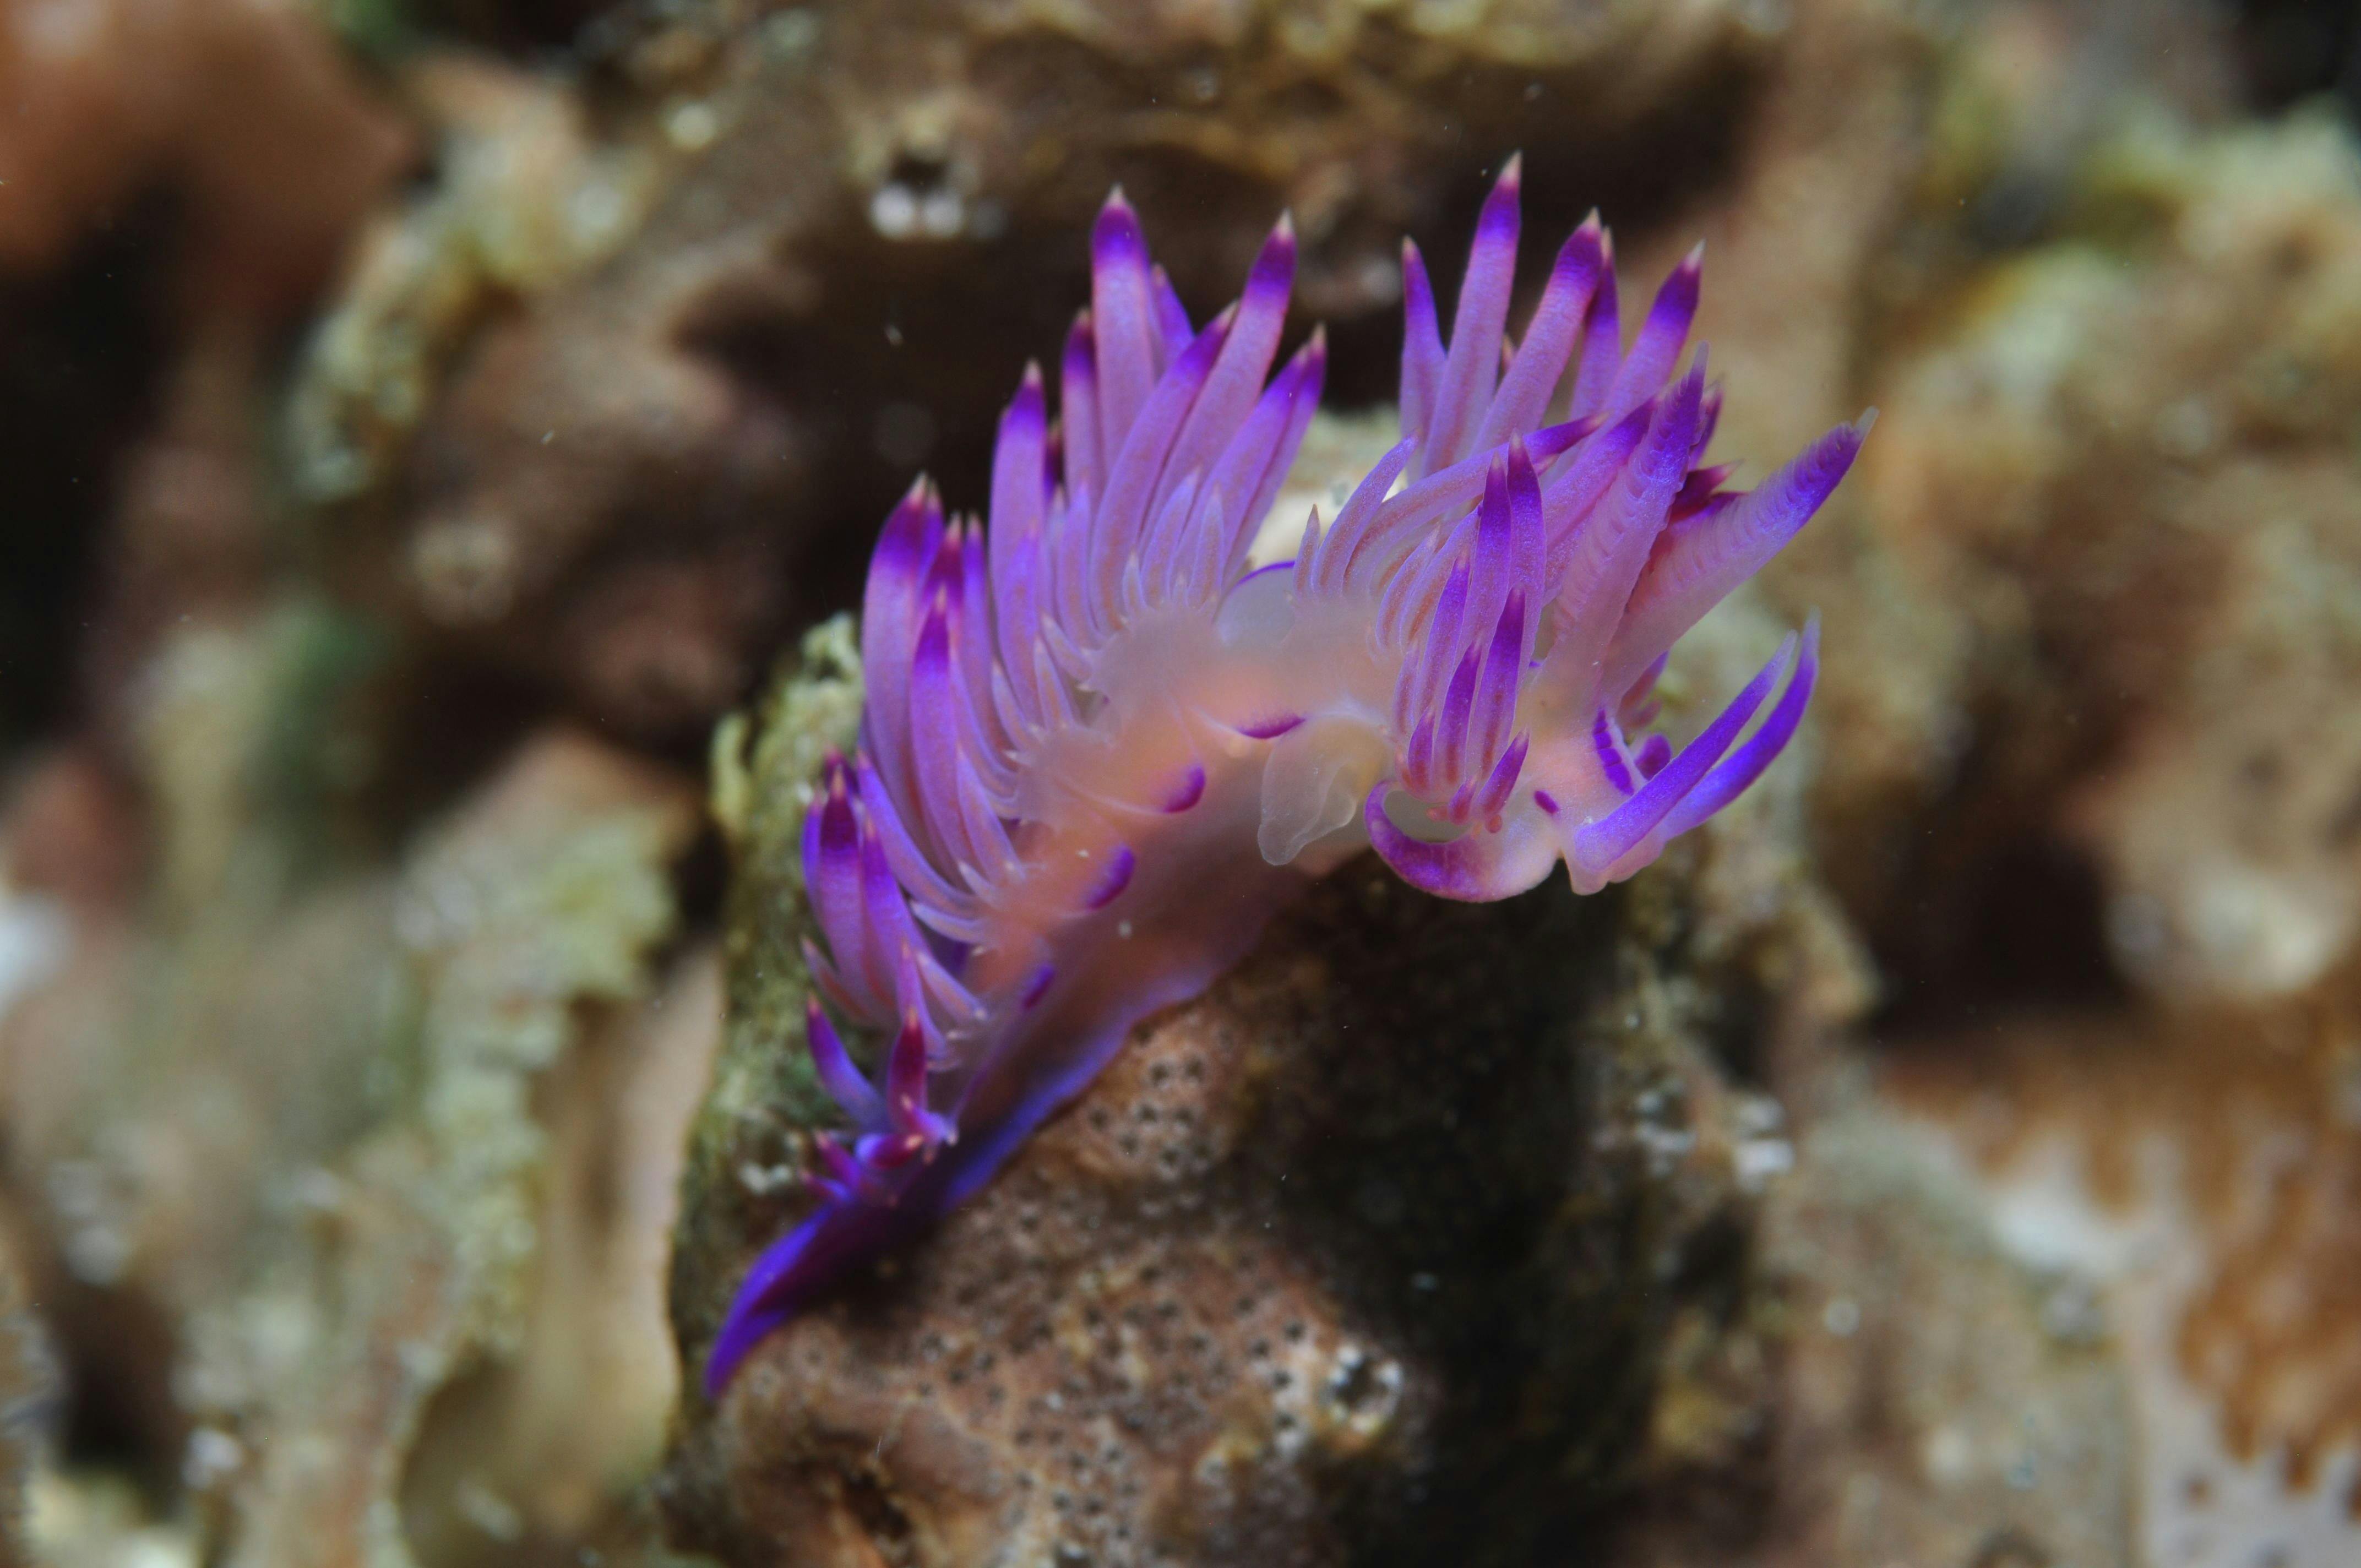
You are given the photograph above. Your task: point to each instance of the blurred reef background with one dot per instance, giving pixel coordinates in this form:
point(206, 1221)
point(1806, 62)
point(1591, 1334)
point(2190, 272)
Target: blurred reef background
point(435, 437)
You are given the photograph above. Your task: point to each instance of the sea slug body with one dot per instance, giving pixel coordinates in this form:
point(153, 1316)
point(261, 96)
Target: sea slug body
point(1098, 750)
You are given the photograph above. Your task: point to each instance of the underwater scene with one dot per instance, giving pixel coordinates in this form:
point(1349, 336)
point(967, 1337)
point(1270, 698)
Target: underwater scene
point(1179, 783)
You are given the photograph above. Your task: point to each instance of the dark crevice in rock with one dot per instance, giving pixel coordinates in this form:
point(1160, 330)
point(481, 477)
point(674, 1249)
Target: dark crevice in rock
point(2020, 923)
point(86, 348)
point(2293, 50)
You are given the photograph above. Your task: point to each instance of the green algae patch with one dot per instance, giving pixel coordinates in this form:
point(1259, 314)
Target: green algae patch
point(747, 1148)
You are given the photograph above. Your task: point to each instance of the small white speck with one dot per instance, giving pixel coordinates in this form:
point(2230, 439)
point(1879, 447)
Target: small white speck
point(1757, 1160)
point(596, 212)
point(692, 126)
point(1841, 1317)
point(1122, 929)
point(212, 1457)
point(894, 211)
point(764, 1180)
point(942, 214)
point(1948, 1456)
point(488, 1511)
point(35, 939)
point(547, 436)
point(790, 33)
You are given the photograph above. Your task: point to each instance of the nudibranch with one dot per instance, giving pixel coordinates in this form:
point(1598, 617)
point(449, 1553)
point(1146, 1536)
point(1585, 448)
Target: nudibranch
point(1099, 749)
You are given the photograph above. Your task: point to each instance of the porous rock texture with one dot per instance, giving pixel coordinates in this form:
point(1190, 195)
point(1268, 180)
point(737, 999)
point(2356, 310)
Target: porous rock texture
point(1430, 1232)
point(1325, 1257)
point(2187, 1176)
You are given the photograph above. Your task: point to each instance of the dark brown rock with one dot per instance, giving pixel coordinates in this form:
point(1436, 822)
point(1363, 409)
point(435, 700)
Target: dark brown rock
point(246, 107)
point(623, 398)
point(1373, 1254)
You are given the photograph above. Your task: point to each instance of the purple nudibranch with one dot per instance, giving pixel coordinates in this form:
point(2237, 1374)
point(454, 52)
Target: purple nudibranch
point(1098, 750)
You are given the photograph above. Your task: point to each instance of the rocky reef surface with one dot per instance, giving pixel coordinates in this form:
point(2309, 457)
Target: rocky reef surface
point(439, 436)
point(1370, 1255)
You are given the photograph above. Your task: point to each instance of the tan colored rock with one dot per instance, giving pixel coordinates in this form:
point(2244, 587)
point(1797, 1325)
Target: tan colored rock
point(2185, 1179)
point(412, 1420)
point(29, 1399)
point(2129, 459)
point(1830, 158)
point(1934, 1404)
point(561, 1436)
point(349, 1189)
point(189, 540)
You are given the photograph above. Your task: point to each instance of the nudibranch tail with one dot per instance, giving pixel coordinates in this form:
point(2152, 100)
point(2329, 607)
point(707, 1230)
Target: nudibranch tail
point(1098, 750)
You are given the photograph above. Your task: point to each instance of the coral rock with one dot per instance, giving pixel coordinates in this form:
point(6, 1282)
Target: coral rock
point(1370, 1254)
point(244, 104)
point(2145, 1163)
point(338, 1179)
point(2130, 461)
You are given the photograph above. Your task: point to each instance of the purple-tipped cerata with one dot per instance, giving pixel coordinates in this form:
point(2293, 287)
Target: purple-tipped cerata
point(1099, 749)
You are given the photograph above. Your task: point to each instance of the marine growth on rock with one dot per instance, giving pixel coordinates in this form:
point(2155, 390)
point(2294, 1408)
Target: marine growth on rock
point(1099, 749)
